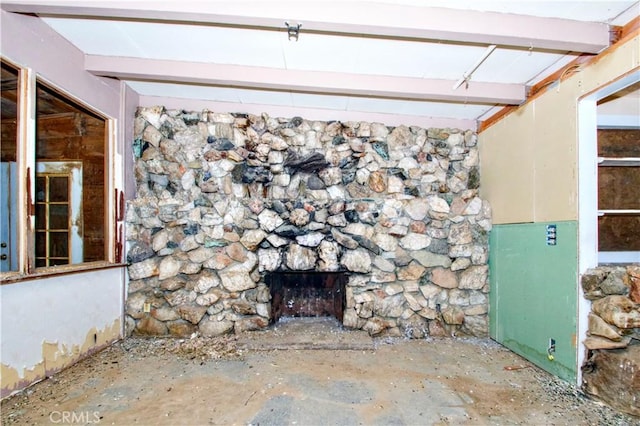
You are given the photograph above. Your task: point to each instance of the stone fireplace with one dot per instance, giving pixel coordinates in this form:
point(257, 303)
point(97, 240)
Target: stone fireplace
point(307, 294)
point(231, 206)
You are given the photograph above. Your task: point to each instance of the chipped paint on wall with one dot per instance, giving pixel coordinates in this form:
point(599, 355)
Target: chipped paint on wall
point(57, 356)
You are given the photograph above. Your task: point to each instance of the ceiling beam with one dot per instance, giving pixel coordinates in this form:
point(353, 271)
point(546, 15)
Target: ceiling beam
point(303, 81)
point(366, 19)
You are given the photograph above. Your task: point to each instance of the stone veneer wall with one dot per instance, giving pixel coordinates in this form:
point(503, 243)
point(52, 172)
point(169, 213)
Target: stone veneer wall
point(224, 198)
point(611, 371)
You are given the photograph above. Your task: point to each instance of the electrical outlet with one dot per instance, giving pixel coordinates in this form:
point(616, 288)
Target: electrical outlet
point(551, 349)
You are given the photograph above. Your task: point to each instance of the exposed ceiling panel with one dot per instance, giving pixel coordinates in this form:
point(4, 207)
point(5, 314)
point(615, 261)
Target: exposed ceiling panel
point(402, 57)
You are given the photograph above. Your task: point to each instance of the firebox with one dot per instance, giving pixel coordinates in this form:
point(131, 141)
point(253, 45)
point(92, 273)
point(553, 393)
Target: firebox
point(307, 294)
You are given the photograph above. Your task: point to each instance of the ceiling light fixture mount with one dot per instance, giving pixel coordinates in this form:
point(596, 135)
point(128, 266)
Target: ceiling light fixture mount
point(293, 30)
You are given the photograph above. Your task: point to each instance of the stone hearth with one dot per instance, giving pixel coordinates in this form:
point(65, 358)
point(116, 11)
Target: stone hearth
point(224, 199)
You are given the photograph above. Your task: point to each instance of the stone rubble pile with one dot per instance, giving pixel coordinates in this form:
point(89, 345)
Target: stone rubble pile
point(222, 199)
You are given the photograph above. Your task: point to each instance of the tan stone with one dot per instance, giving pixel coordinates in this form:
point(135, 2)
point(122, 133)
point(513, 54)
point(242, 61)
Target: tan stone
point(618, 310)
point(594, 343)
point(413, 271)
point(614, 377)
point(191, 313)
point(453, 315)
point(377, 182)
point(599, 327)
point(151, 326)
point(436, 329)
point(633, 279)
point(444, 278)
point(237, 252)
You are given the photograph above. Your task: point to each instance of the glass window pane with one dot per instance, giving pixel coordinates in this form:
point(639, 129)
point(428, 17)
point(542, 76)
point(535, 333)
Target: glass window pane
point(41, 215)
point(40, 263)
point(41, 189)
point(59, 244)
point(58, 216)
point(58, 188)
point(71, 151)
point(41, 244)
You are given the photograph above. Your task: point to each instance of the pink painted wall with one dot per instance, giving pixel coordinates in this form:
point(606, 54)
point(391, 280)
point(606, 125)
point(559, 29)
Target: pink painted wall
point(29, 42)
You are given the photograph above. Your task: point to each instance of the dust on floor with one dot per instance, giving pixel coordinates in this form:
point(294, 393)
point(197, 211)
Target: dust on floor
point(322, 376)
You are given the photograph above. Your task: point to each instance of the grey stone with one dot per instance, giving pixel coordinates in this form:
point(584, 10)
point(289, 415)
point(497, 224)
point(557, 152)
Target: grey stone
point(429, 260)
point(344, 240)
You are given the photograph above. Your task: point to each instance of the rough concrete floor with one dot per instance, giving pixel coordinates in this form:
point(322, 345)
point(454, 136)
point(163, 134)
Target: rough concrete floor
point(306, 373)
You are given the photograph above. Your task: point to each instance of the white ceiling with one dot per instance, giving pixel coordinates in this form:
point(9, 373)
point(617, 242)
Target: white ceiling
point(324, 73)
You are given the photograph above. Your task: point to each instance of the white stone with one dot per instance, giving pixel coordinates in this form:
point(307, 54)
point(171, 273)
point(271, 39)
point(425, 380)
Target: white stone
point(359, 229)
point(392, 289)
point(417, 208)
point(438, 207)
point(460, 234)
point(331, 176)
point(300, 258)
point(201, 254)
point(385, 241)
point(362, 176)
point(328, 252)
point(311, 239)
point(277, 241)
point(336, 192)
point(473, 207)
point(337, 220)
point(357, 261)
point(160, 240)
point(460, 264)
point(268, 259)
point(236, 281)
point(384, 264)
point(252, 238)
point(414, 241)
point(299, 217)
point(269, 220)
point(395, 185)
point(169, 267)
point(205, 282)
point(282, 179)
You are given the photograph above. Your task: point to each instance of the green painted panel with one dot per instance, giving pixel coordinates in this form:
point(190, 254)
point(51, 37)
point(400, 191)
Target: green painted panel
point(533, 294)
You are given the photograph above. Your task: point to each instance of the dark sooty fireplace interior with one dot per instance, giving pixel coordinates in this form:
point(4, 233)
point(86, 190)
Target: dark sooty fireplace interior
point(307, 294)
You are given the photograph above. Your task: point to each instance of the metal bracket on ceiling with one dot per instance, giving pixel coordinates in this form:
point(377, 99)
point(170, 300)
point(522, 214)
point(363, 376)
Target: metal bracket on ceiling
point(293, 31)
point(467, 75)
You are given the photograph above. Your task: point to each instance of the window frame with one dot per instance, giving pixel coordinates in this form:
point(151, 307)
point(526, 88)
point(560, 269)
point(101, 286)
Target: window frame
point(26, 171)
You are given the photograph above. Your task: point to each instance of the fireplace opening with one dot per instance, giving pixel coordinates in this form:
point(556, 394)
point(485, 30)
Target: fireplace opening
point(307, 294)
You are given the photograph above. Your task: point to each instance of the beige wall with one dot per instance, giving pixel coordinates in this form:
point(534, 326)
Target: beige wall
point(528, 159)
